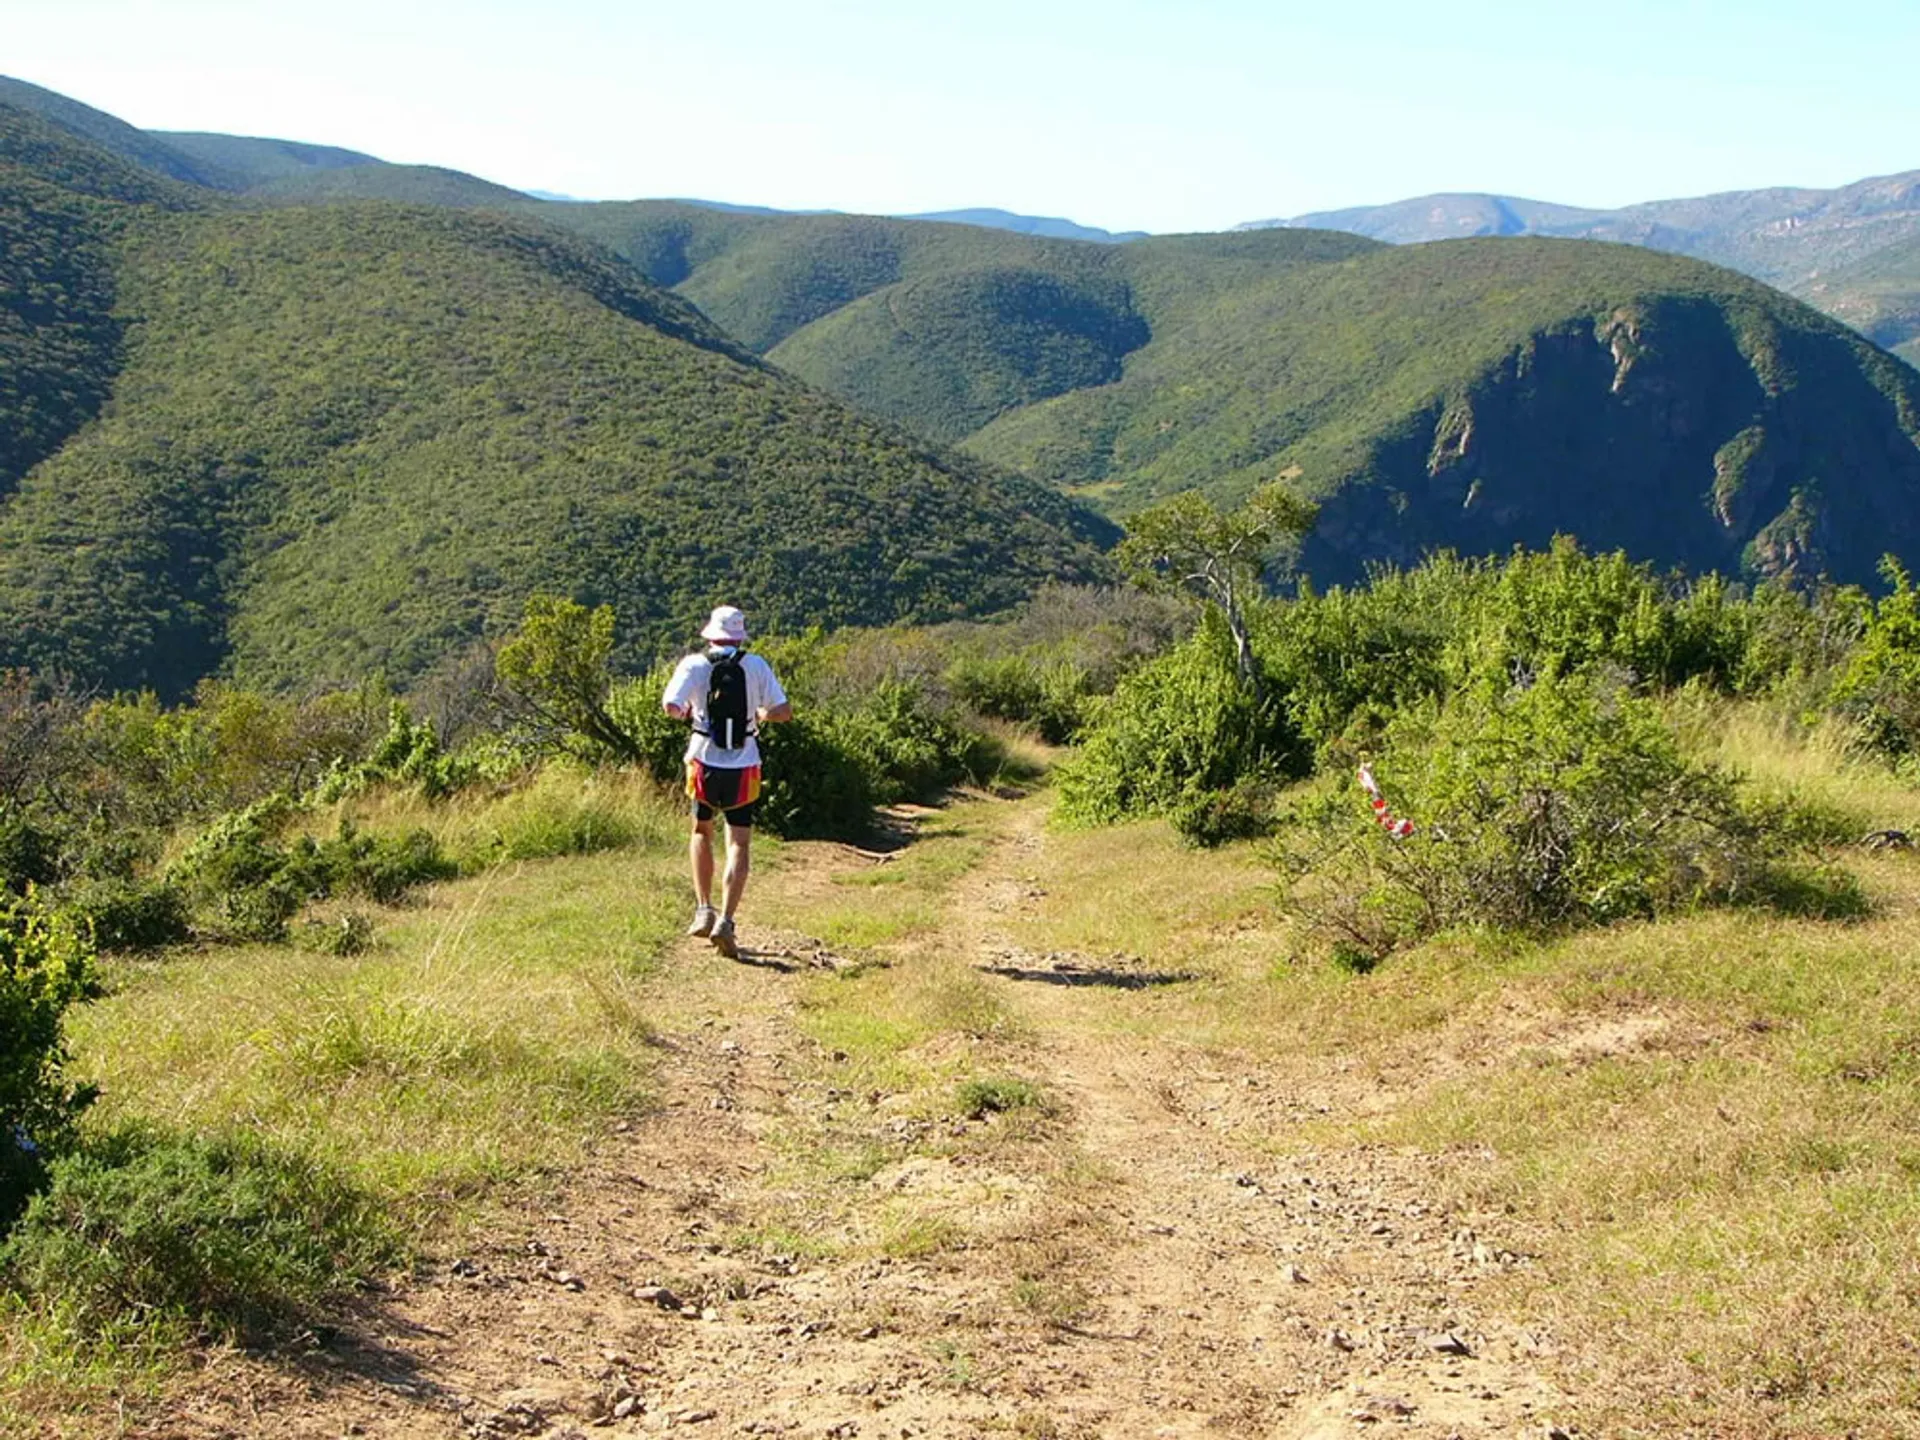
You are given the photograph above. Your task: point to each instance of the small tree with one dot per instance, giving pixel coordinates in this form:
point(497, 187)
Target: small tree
point(1188, 543)
point(556, 666)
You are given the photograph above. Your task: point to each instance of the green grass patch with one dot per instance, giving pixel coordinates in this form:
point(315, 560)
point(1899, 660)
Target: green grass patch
point(996, 1095)
point(913, 1235)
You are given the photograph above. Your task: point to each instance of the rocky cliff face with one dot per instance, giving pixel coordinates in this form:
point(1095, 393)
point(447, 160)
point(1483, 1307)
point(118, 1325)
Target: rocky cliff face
point(1669, 431)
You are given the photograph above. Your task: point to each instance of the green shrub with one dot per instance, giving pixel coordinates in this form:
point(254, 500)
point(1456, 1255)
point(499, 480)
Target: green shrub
point(1246, 810)
point(912, 749)
point(1340, 665)
point(350, 933)
point(241, 883)
point(125, 914)
point(234, 875)
point(1879, 687)
point(408, 754)
point(233, 1235)
point(154, 766)
point(1566, 803)
point(45, 966)
point(1053, 695)
point(380, 867)
point(1178, 731)
point(817, 784)
point(29, 852)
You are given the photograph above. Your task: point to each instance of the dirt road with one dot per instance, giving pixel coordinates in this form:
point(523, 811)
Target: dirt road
point(784, 1247)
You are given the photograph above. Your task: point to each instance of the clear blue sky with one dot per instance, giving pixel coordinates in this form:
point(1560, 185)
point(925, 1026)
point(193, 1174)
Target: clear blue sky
point(1126, 114)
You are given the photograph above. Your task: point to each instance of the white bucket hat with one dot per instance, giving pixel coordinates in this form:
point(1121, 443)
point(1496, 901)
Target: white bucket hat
point(726, 626)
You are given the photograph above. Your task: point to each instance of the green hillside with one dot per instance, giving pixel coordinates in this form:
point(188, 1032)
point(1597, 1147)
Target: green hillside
point(59, 336)
point(34, 149)
point(252, 161)
point(110, 134)
point(1879, 297)
point(353, 438)
point(763, 277)
point(1476, 394)
point(1484, 393)
point(950, 352)
point(408, 184)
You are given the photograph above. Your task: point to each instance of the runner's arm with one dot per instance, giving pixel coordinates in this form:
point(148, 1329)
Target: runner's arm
point(774, 707)
point(678, 700)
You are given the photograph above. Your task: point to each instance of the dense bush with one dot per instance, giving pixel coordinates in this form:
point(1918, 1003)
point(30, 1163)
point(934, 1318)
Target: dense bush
point(243, 883)
point(1178, 732)
point(1336, 669)
point(815, 785)
point(408, 754)
point(155, 766)
point(228, 1233)
point(1053, 695)
point(127, 914)
point(45, 966)
point(1879, 686)
point(29, 851)
point(1567, 802)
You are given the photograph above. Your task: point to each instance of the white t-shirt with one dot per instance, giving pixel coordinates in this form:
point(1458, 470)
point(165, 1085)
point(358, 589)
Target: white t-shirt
point(689, 687)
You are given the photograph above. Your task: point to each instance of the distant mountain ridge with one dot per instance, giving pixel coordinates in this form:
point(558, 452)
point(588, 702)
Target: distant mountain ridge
point(294, 169)
point(1477, 393)
point(251, 161)
point(1785, 236)
point(1053, 228)
point(1807, 241)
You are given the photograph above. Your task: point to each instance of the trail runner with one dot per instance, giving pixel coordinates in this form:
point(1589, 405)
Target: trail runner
point(728, 694)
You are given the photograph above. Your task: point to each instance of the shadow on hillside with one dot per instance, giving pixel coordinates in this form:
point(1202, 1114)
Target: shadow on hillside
point(1109, 978)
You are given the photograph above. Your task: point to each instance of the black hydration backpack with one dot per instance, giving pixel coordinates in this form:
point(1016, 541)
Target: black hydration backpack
point(727, 700)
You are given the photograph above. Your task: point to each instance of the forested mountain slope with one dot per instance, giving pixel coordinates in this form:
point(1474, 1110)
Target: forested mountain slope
point(249, 161)
point(1484, 393)
point(111, 134)
point(1879, 296)
point(325, 441)
point(1476, 394)
point(60, 199)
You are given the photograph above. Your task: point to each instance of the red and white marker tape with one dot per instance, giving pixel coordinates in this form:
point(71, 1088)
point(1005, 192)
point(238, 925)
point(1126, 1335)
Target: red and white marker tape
point(1398, 829)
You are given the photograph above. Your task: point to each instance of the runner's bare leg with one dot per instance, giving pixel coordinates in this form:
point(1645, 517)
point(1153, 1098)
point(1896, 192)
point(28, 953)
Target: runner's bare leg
point(700, 854)
point(739, 858)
